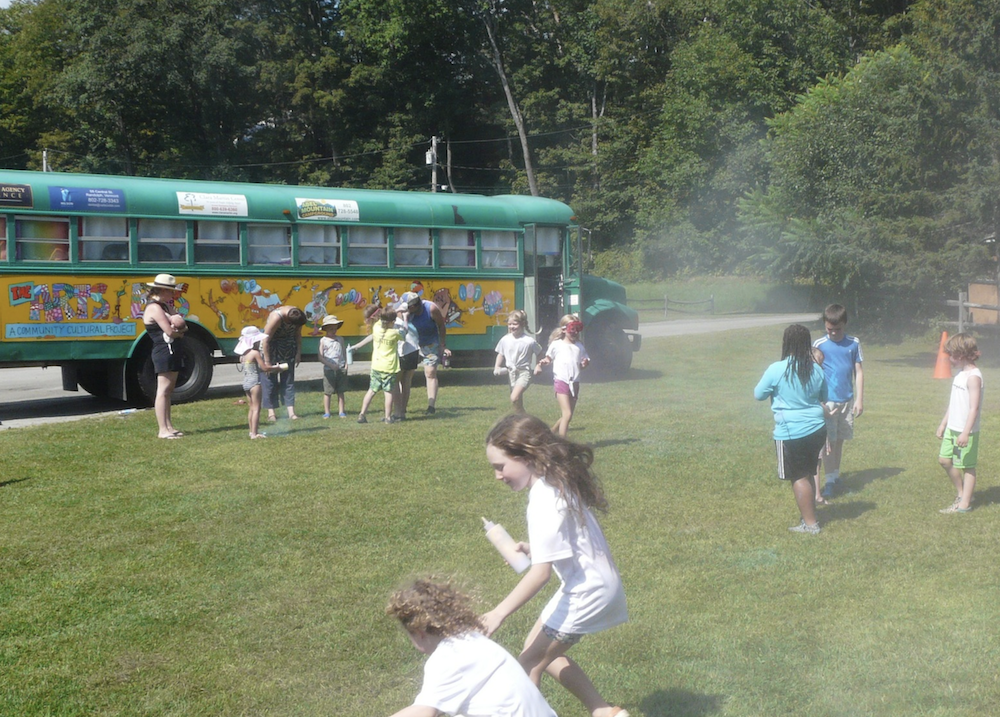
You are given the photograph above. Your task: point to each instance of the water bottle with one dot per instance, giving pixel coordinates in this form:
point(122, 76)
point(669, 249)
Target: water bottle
point(350, 355)
point(506, 546)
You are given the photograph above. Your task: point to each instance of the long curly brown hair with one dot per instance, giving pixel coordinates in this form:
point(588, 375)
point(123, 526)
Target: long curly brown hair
point(434, 606)
point(565, 465)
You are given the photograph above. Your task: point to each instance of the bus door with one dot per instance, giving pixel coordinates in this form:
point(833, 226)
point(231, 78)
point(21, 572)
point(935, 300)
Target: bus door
point(543, 277)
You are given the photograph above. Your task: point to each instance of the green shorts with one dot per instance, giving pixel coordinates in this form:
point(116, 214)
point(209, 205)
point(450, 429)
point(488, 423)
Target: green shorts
point(382, 381)
point(960, 457)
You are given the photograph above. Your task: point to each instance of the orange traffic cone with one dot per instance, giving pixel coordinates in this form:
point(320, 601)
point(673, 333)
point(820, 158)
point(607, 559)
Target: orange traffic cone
point(943, 367)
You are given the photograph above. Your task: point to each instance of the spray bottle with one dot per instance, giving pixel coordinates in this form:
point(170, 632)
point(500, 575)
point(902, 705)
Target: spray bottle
point(506, 546)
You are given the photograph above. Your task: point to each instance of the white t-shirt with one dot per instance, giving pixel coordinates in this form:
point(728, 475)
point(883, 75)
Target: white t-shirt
point(409, 342)
point(473, 676)
point(517, 352)
point(566, 358)
point(591, 597)
point(959, 405)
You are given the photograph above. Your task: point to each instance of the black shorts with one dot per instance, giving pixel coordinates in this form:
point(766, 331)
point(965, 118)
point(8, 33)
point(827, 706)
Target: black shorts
point(408, 362)
point(164, 361)
point(799, 457)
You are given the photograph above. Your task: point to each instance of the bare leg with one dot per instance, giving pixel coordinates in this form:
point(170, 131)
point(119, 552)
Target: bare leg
point(544, 655)
point(804, 497)
point(340, 402)
point(253, 414)
point(326, 404)
point(366, 401)
point(968, 486)
point(566, 406)
point(953, 473)
point(831, 461)
point(517, 398)
point(431, 376)
point(165, 383)
point(405, 382)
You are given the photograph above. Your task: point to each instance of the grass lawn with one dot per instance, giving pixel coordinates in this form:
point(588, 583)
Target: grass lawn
point(731, 294)
point(216, 575)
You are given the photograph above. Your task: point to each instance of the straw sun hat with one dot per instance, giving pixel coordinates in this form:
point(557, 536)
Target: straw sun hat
point(164, 281)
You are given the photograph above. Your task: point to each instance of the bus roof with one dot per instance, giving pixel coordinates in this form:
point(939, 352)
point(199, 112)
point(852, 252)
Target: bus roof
point(159, 198)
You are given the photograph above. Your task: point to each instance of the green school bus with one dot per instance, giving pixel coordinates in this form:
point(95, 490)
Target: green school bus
point(76, 251)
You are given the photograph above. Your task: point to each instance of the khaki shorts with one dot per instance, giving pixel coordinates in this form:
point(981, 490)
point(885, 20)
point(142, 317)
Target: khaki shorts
point(519, 377)
point(840, 425)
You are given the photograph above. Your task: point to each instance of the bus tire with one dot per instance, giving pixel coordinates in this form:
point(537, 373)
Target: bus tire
point(609, 349)
point(93, 378)
point(193, 379)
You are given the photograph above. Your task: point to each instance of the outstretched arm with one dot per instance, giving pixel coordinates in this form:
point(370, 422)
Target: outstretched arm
point(533, 581)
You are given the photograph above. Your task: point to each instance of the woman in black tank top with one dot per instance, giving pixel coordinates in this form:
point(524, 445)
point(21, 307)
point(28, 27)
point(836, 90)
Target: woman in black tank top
point(165, 327)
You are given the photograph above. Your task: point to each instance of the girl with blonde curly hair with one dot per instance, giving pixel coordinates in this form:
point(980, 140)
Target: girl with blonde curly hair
point(466, 673)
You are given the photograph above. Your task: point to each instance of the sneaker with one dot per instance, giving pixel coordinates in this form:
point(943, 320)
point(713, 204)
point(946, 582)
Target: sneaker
point(398, 419)
point(828, 490)
point(327, 415)
point(953, 507)
point(362, 419)
point(430, 410)
point(390, 419)
point(343, 415)
point(804, 528)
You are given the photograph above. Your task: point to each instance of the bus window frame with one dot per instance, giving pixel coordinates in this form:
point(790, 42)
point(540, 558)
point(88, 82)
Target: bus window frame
point(46, 217)
point(108, 240)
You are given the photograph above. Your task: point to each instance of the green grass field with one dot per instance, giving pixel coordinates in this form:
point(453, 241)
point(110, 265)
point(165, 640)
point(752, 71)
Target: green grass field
point(221, 576)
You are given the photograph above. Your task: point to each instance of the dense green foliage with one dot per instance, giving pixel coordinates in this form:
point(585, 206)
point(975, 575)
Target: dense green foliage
point(851, 143)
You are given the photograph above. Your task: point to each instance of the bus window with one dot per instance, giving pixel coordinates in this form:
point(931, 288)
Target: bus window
point(413, 246)
point(319, 244)
point(366, 246)
point(42, 239)
point(162, 240)
point(103, 238)
point(548, 246)
point(3, 238)
point(499, 249)
point(270, 244)
point(216, 243)
point(458, 248)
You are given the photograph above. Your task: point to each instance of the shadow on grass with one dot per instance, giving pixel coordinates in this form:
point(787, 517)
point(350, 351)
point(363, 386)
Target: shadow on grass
point(5, 483)
point(980, 498)
point(854, 482)
point(919, 360)
point(844, 511)
point(614, 442)
point(680, 703)
point(633, 374)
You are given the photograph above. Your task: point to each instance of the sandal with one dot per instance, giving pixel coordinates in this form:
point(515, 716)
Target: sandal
point(823, 501)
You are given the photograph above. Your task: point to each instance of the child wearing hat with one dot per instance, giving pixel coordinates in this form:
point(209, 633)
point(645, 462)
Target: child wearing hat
point(252, 363)
point(333, 354)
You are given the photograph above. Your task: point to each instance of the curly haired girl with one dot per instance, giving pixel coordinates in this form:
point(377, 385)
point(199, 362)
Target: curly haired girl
point(466, 673)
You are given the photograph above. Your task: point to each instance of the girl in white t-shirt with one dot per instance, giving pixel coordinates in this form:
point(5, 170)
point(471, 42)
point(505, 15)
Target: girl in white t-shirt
point(564, 537)
point(466, 673)
point(515, 351)
point(567, 356)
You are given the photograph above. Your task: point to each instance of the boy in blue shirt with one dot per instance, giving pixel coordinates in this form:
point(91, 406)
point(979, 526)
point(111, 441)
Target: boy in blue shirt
point(842, 364)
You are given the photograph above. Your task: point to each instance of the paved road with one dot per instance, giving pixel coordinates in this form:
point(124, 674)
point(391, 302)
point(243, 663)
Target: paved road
point(30, 396)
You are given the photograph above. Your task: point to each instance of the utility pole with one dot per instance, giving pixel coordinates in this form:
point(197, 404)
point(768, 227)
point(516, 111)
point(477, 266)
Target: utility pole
point(431, 158)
